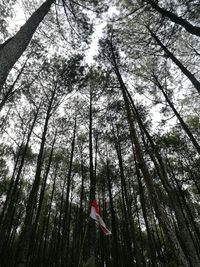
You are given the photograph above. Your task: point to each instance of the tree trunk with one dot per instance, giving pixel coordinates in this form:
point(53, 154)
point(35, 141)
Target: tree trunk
point(13, 48)
point(32, 200)
point(115, 241)
point(185, 71)
point(32, 245)
point(173, 197)
point(91, 226)
point(65, 245)
point(46, 233)
point(160, 213)
point(152, 248)
point(183, 124)
point(11, 184)
point(10, 92)
point(129, 227)
point(173, 17)
point(10, 203)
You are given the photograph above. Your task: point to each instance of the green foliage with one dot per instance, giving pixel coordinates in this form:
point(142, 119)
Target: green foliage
point(193, 123)
point(29, 154)
point(171, 140)
point(64, 72)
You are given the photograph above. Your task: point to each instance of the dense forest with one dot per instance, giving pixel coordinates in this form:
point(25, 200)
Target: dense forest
point(99, 100)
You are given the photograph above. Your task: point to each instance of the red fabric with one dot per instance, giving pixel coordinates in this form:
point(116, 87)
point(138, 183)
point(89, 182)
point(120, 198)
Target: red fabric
point(94, 204)
point(96, 216)
point(104, 230)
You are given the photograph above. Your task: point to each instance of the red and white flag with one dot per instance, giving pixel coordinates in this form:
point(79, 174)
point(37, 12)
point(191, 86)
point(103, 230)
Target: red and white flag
point(94, 214)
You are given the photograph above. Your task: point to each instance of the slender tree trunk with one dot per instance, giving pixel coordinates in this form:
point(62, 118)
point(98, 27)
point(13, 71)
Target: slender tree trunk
point(115, 240)
point(11, 184)
point(81, 197)
point(173, 17)
point(192, 175)
point(53, 253)
point(92, 178)
point(184, 207)
point(6, 252)
point(46, 234)
point(10, 203)
point(81, 232)
point(58, 244)
point(183, 124)
point(129, 227)
point(32, 246)
point(185, 71)
point(141, 247)
point(144, 211)
point(65, 245)
point(24, 241)
point(10, 92)
point(91, 226)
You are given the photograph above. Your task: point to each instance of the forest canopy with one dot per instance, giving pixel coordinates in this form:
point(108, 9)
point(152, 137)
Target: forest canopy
point(99, 100)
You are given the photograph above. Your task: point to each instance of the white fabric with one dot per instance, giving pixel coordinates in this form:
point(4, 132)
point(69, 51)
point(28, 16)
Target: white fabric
point(95, 216)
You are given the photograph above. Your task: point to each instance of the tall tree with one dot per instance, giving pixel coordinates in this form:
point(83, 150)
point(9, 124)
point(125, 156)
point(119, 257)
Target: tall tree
point(12, 49)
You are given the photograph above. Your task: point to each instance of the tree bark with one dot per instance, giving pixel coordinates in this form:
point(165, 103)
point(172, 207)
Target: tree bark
point(129, 227)
point(46, 233)
point(65, 234)
point(115, 249)
point(144, 212)
point(13, 48)
point(91, 227)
